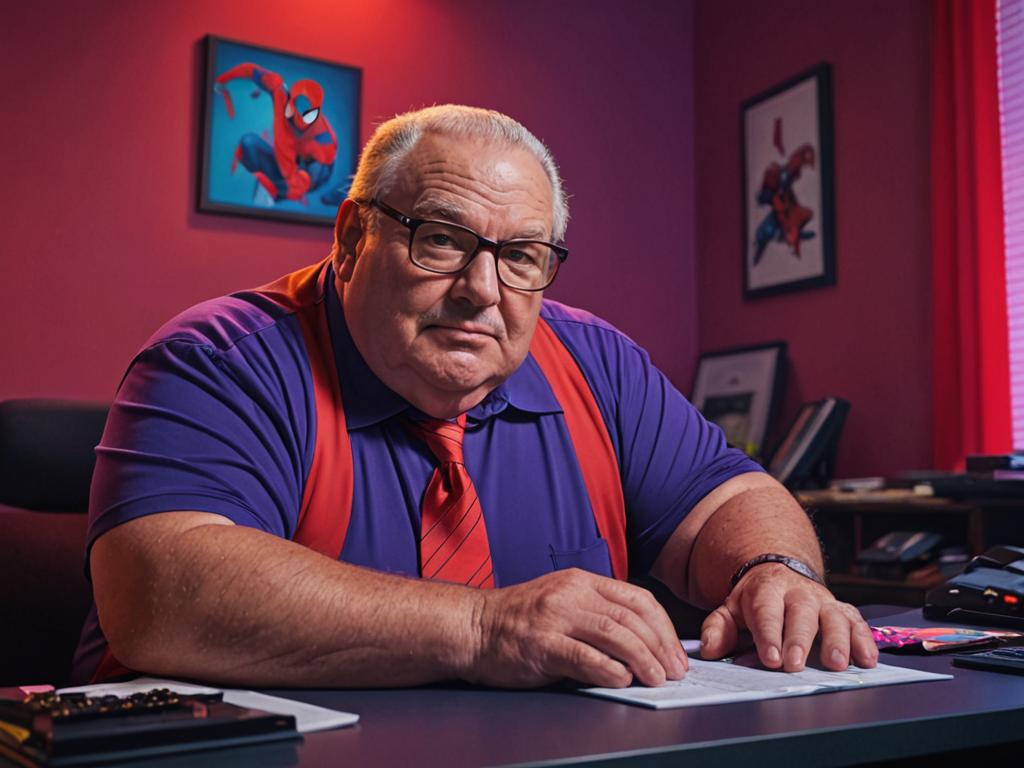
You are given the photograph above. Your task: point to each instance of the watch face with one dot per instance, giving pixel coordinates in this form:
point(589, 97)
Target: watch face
point(802, 569)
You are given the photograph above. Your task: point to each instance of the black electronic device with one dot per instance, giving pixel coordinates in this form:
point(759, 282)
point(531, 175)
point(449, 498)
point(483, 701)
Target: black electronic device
point(990, 591)
point(953, 486)
point(996, 660)
point(984, 463)
point(78, 729)
point(896, 553)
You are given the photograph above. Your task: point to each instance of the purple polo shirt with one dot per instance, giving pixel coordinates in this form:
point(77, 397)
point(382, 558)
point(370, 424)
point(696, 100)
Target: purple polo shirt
point(216, 414)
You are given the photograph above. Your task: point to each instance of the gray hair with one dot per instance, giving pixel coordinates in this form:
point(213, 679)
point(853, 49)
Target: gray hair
point(382, 156)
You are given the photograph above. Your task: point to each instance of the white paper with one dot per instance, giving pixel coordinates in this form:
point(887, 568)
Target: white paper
point(308, 717)
point(716, 682)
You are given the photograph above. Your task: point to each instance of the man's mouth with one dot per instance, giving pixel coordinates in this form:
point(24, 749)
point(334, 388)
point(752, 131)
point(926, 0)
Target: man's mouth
point(483, 329)
point(464, 332)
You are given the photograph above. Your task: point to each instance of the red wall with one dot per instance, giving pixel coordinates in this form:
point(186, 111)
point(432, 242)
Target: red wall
point(867, 338)
point(100, 241)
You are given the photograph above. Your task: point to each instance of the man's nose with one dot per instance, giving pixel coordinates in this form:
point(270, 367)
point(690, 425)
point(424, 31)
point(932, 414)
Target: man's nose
point(478, 283)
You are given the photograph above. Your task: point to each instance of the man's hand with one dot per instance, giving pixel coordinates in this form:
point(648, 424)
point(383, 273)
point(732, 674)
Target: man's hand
point(574, 624)
point(784, 612)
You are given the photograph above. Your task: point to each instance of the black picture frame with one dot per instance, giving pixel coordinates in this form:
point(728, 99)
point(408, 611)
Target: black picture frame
point(242, 143)
point(788, 199)
point(740, 389)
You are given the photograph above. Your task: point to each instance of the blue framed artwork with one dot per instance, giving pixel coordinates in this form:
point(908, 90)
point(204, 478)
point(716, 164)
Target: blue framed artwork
point(280, 133)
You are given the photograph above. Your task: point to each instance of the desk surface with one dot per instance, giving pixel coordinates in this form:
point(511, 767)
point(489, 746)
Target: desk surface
point(450, 726)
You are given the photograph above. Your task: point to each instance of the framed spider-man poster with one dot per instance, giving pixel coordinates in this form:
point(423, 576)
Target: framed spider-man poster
point(788, 204)
point(280, 133)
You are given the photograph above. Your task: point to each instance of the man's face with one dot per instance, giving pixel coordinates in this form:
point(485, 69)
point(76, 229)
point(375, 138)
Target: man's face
point(444, 341)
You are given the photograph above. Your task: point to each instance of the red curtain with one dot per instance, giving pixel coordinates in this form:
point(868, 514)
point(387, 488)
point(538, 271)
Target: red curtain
point(971, 369)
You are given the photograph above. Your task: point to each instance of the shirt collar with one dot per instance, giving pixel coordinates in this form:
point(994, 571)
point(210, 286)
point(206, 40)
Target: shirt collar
point(367, 400)
point(525, 390)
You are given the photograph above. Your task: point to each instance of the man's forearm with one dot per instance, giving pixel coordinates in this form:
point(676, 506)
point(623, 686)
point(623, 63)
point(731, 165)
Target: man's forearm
point(188, 594)
point(756, 521)
point(235, 605)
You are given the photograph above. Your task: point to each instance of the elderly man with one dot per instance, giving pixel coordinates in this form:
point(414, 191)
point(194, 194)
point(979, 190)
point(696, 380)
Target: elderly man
point(281, 465)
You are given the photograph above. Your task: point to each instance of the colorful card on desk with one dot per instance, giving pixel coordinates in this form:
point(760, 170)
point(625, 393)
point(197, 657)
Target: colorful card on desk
point(940, 639)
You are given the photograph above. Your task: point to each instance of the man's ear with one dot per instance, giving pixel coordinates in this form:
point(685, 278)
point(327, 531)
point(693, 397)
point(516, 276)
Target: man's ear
point(348, 231)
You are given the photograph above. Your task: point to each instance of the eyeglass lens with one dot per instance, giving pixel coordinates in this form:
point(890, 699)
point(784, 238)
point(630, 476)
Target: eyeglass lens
point(522, 264)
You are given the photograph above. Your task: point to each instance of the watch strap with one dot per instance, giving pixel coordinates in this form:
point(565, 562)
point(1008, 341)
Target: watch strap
point(794, 564)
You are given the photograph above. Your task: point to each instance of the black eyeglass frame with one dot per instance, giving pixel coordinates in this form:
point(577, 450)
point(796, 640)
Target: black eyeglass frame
point(494, 246)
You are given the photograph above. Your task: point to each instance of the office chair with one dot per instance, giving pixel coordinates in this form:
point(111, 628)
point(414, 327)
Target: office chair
point(46, 464)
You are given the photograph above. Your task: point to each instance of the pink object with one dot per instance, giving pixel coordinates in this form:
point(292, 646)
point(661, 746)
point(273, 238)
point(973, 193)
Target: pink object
point(28, 690)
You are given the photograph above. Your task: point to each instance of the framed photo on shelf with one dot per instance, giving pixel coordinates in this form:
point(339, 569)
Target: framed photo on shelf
point(788, 202)
point(280, 133)
point(739, 389)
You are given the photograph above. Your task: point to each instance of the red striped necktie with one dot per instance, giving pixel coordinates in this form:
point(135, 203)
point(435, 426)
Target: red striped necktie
point(453, 538)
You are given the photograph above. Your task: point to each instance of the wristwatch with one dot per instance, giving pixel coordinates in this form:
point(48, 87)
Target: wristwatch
point(772, 557)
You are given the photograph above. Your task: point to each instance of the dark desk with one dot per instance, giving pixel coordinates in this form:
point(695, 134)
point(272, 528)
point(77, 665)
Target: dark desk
point(450, 726)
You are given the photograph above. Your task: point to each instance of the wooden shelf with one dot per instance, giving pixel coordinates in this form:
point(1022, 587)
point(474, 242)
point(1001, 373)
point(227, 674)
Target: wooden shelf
point(884, 502)
point(849, 522)
point(861, 590)
point(853, 579)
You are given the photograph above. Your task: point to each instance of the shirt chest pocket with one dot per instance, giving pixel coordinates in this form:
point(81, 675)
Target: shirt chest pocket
point(593, 558)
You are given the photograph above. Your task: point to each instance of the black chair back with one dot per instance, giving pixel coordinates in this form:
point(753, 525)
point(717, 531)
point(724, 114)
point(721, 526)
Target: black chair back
point(46, 463)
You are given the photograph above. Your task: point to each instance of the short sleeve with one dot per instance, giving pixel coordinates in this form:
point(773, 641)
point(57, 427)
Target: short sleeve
point(670, 456)
point(200, 428)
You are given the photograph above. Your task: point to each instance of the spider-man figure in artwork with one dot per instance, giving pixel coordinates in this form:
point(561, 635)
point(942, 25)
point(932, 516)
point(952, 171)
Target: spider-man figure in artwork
point(300, 154)
point(787, 219)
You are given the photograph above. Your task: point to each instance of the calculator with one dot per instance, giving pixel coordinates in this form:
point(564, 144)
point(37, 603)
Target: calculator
point(996, 660)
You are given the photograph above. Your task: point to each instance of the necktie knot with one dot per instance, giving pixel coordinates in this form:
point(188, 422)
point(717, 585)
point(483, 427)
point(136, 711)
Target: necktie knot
point(444, 438)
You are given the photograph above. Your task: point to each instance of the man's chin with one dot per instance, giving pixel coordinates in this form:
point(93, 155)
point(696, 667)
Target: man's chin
point(460, 371)
point(453, 375)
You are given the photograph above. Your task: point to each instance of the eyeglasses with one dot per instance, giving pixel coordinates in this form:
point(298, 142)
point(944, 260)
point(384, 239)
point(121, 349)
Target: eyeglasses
point(446, 248)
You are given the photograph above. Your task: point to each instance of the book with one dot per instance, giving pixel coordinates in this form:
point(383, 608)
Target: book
point(146, 717)
point(52, 729)
point(308, 717)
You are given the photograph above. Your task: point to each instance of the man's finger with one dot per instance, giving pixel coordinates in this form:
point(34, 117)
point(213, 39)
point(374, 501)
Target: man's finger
point(649, 621)
point(607, 634)
point(582, 662)
point(798, 635)
point(863, 649)
point(835, 637)
point(764, 613)
point(719, 633)
point(666, 650)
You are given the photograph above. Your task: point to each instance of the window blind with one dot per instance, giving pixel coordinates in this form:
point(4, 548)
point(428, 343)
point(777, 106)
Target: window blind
point(1010, 52)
